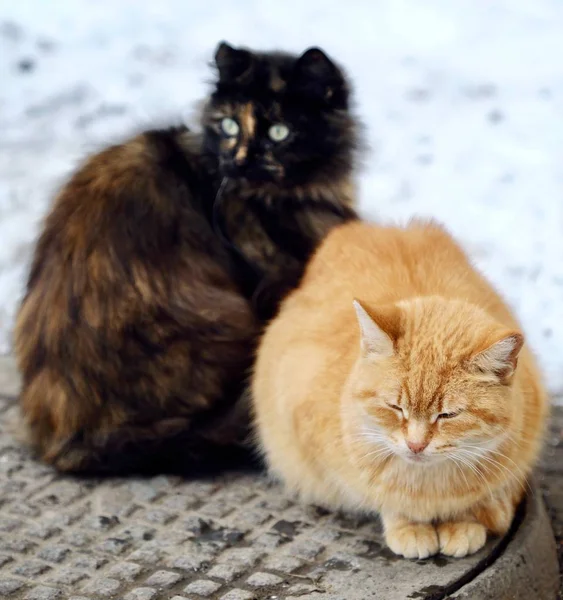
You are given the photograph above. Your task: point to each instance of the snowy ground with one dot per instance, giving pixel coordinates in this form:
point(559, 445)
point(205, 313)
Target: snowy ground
point(463, 102)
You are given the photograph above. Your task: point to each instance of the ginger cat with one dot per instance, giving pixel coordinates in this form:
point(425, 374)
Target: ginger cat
point(431, 413)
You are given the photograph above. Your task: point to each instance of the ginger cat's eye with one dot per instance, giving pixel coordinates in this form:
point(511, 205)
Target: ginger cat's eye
point(230, 127)
point(278, 132)
point(449, 415)
point(395, 407)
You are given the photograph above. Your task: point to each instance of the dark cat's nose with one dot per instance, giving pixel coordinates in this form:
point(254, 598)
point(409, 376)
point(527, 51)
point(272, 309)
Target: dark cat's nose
point(416, 447)
point(241, 155)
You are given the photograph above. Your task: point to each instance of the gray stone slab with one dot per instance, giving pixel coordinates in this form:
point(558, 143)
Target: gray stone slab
point(236, 537)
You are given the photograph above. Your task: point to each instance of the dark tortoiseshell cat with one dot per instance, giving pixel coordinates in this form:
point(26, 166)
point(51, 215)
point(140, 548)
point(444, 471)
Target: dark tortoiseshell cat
point(163, 257)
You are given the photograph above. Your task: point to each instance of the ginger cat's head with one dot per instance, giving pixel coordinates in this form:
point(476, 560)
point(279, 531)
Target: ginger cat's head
point(433, 381)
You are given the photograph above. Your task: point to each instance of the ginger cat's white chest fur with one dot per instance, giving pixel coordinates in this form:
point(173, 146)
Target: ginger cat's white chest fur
point(395, 380)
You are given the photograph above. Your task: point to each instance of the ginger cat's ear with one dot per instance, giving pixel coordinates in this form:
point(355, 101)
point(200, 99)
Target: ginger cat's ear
point(374, 340)
point(500, 358)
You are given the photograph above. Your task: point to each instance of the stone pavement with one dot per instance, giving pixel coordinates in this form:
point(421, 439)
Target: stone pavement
point(234, 538)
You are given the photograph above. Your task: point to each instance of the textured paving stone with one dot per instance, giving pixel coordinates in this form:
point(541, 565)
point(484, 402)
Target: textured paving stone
point(142, 593)
point(238, 595)
point(67, 577)
point(234, 538)
point(44, 593)
point(30, 569)
point(125, 571)
point(202, 587)
point(9, 586)
point(264, 580)
point(103, 587)
point(163, 579)
point(227, 573)
point(54, 553)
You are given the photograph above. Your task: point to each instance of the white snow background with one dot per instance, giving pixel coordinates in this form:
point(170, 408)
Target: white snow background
point(462, 99)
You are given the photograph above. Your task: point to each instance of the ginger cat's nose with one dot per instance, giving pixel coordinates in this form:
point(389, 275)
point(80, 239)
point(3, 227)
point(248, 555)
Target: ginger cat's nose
point(416, 447)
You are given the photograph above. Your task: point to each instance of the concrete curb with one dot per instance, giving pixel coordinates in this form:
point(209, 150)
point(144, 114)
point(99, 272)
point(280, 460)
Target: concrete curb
point(526, 569)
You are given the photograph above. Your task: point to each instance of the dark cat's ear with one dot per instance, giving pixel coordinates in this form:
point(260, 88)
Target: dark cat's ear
point(233, 64)
point(500, 358)
point(315, 75)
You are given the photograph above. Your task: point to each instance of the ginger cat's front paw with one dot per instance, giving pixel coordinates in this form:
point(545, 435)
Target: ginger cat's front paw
point(461, 538)
point(414, 540)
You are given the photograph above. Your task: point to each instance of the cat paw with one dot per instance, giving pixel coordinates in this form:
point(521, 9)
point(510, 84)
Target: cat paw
point(416, 540)
point(461, 538)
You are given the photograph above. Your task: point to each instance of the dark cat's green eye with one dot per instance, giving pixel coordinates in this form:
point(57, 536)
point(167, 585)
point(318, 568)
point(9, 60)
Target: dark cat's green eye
point(230, 127)
point(278, 132)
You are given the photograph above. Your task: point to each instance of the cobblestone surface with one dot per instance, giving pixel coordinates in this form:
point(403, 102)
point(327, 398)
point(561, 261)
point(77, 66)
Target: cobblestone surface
point(234, 538)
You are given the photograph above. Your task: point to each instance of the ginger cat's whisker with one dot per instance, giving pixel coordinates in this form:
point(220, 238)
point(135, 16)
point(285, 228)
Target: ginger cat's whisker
point(460, 469)
point(381, 454)
point(475, 469)
point(521, 474)
point(369, 437)
point(488, 463)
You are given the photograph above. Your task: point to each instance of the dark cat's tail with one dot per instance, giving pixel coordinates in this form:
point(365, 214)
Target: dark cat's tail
point(202, 446)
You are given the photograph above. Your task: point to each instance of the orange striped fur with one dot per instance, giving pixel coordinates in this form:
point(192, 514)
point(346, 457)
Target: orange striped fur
point(431, 412)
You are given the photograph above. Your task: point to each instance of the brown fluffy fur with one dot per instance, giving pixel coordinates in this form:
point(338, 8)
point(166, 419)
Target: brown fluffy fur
point(126, 334)
point(433, 416)
point(162, 258)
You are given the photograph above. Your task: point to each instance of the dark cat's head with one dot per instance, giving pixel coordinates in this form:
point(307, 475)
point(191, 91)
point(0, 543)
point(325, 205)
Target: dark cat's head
point(274, 117)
